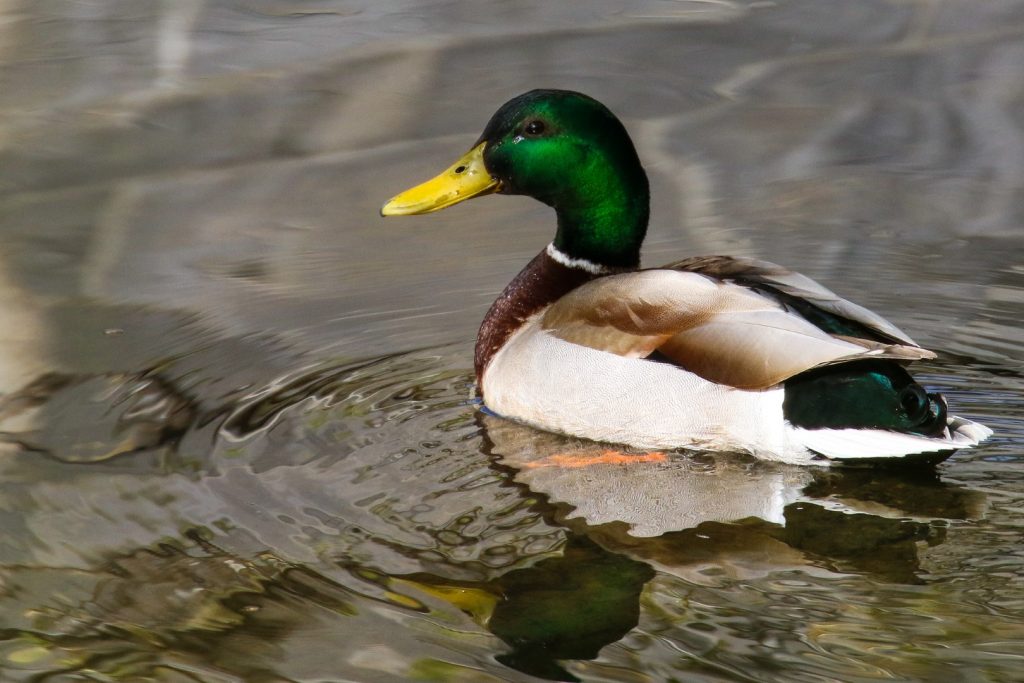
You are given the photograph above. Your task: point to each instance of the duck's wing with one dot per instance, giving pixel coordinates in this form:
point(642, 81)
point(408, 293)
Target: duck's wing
point(721, 330)
point(822, 306)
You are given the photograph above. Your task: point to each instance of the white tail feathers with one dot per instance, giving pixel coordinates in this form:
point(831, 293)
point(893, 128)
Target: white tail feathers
point(857, 444)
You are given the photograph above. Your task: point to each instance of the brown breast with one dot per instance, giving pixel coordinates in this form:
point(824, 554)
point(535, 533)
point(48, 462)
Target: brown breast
point(542, 281)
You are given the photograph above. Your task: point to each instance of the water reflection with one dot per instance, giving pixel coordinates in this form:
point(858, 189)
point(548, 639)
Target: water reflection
point(653, 493)
point(118, 414)
point(345, 496)
point(565, 607)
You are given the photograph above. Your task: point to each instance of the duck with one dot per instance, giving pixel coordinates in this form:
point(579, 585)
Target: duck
point(709, 353)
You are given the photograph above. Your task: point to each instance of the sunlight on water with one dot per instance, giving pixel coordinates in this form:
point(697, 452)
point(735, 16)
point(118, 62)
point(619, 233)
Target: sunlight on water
point(238, 428)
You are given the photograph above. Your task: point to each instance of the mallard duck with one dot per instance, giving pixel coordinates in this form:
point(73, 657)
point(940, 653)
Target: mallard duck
point(709, 353)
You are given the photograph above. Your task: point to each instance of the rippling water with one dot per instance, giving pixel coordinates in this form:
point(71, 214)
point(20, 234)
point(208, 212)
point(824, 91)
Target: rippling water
point(238, 433)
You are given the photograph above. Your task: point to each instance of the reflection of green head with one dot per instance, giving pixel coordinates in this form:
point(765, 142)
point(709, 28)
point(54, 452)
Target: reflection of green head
point(568, 151)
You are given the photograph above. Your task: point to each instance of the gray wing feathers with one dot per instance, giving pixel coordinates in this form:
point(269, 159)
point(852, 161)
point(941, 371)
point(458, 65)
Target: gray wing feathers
point(747, 270)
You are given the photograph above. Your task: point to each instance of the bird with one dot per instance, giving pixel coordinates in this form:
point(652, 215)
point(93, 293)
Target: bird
point(709, 353)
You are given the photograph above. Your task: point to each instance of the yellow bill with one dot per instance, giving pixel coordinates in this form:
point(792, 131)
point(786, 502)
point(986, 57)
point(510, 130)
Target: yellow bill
point(464, 179)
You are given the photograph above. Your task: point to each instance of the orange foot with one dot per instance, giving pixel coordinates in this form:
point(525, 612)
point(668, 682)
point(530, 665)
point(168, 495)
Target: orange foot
point(603, 458)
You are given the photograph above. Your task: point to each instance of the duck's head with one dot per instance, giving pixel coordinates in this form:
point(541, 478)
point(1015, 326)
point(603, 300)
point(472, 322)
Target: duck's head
point(566, 150)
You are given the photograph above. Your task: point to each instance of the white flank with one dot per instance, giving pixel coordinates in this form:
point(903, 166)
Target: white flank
point(581, 263)
point(559, 386)
point(563, 387)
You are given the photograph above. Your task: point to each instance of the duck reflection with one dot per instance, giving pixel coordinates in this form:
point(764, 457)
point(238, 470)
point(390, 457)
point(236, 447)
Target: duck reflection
point(562, 608)
point(652, 493)
point(540, 547)
point(679, 513)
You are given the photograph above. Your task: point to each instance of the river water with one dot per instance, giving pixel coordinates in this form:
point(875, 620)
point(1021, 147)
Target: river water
point(239, 440)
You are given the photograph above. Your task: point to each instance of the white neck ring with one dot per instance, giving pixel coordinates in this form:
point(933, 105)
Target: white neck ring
point(580, 263)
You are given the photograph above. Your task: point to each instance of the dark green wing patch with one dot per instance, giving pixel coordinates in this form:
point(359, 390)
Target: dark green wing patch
point(865, 395)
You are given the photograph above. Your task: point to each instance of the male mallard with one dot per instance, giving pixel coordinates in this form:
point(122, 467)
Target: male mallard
point(712, 353)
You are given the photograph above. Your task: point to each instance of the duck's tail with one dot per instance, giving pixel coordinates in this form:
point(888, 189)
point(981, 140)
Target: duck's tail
point(866, 445)
point(873, 410)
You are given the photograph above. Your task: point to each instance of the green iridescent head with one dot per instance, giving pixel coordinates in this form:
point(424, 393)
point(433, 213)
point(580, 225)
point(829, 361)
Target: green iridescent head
point(564, 149)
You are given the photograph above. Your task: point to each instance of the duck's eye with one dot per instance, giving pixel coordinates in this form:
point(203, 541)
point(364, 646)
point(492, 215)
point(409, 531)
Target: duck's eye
point(534, 128)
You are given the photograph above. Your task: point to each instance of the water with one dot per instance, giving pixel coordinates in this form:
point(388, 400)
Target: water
point(239, 440)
